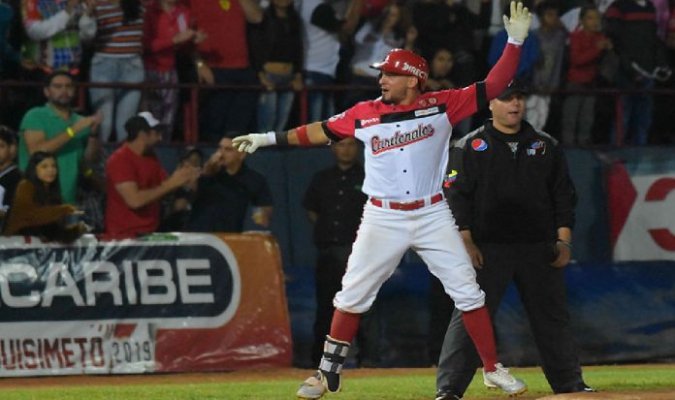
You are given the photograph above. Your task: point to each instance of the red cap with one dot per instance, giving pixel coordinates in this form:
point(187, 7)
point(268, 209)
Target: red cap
point(404, 62)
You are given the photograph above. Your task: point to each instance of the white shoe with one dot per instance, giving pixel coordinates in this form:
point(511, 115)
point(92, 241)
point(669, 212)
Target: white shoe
point(313, 387)
point(501, 379)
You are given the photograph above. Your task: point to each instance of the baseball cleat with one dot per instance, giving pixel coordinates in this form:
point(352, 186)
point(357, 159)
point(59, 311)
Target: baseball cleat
point(316, 386)
point(447, 396)
point(575, 388)
point(502, 379)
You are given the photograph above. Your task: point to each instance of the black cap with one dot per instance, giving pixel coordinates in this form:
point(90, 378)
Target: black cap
point(8, 135)
point(515, 87)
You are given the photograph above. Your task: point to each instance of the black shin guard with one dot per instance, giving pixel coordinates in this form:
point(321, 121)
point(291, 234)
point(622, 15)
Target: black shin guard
point(334, 356)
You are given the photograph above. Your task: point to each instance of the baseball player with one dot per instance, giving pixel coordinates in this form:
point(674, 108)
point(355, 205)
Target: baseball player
point(406, 136)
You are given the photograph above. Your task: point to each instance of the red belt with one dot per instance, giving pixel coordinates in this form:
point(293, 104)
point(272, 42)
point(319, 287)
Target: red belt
point(407, 206)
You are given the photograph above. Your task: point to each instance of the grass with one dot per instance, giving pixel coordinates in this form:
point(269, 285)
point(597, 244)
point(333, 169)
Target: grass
point(412, 384)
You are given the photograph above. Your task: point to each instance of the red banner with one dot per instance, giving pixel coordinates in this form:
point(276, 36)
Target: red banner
point(176, 302)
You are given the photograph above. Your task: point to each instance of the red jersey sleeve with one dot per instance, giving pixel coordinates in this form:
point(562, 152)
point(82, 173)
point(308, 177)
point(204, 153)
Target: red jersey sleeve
point(464, 102)
point(343, 125)
point(459, 103)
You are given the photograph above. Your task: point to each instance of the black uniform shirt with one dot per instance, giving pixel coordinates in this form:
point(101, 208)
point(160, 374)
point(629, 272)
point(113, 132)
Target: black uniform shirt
point(223, 199)
point(336, 196)
point(506, 196)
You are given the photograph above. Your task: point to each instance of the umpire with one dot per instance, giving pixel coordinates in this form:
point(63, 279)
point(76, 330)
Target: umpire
point(514, 204)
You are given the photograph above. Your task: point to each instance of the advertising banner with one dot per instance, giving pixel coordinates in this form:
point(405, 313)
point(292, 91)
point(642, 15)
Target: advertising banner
point(171, 302)
point(642, 221)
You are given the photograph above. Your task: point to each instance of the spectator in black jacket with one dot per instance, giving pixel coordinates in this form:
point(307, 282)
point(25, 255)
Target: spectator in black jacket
point(514, 204)
point(226, 190)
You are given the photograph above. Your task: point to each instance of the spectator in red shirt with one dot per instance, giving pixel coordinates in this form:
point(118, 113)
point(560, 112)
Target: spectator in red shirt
point(136, 180)
point(587, 45)
point(166, 34)
point(223, 59)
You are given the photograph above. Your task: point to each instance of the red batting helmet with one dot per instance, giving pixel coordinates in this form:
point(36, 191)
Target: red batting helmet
point(404, 62)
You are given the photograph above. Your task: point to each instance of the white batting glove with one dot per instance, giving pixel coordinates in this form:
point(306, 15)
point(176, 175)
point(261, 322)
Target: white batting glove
point(250, 143)
point(518, 25)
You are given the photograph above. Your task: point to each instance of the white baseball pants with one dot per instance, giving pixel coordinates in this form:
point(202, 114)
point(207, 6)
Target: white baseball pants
point(383, 238)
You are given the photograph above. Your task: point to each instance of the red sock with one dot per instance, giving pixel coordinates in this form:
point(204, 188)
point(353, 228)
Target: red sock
point(344, 326)
point(479, 327)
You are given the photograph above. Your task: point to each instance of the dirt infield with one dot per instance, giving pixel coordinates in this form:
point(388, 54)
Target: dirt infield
point(281, 374)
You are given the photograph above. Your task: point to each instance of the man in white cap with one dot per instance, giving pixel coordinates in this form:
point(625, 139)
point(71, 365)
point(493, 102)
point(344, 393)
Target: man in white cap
point(136, 181)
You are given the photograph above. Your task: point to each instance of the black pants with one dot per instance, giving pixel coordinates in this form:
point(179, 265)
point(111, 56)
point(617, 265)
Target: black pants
point(543, 294)
point(331, 266)
point(440, 312)
point(229, 112)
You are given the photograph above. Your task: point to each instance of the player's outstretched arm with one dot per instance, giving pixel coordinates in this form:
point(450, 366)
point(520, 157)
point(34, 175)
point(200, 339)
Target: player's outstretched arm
point(305, 135)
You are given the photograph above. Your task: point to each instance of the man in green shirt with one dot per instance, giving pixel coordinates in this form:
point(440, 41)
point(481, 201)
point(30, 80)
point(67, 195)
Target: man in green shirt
point(57, 129)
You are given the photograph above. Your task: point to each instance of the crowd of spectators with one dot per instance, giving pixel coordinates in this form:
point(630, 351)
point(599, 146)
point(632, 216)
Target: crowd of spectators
point(48, 198)
point(273, 49)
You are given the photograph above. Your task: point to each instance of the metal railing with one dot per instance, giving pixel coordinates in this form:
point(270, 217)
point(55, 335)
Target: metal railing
point(191, 126)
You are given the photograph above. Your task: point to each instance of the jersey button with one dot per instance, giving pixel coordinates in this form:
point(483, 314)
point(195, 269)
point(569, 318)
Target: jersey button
point(405, 170)
point(340, 192)
point(401, 149)
point(407, 192)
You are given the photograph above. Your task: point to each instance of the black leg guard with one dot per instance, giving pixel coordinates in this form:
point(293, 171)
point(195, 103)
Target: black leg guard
point(334, 356)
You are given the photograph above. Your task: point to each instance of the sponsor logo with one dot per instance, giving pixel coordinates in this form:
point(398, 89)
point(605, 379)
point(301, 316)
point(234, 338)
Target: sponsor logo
point(426, 111)
point(400, 139)
point(538, 144)
point(479, 145)
point(370, 121)
point(537, 147)
point(162, 282)
point(414, 70)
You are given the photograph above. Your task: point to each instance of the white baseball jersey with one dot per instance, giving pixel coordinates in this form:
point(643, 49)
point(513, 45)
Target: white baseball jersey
point(406, 146)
